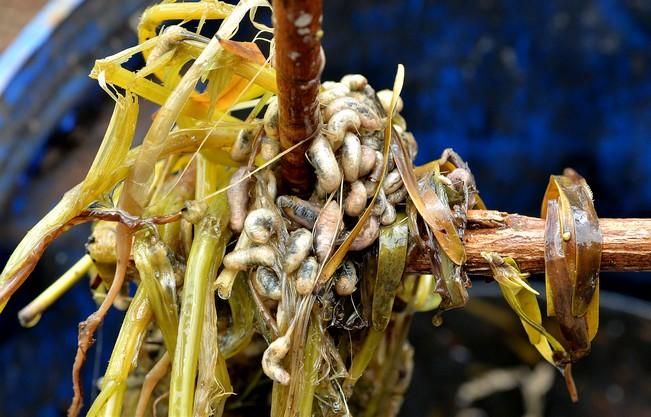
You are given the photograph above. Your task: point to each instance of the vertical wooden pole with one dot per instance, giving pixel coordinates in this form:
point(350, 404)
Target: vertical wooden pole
point(299, 63)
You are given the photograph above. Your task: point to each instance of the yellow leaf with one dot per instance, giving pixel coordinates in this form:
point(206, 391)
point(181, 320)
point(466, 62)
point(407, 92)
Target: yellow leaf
point(522, 299)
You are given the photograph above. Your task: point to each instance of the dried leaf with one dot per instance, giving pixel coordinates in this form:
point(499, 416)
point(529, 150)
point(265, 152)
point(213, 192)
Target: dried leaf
point(522, 299)
point(429, 206)
point(573, 244)
point(581, 235)
point(246, 50)
point(559, 285)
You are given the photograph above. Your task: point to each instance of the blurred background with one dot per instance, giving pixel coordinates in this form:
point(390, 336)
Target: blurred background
point(520, 89)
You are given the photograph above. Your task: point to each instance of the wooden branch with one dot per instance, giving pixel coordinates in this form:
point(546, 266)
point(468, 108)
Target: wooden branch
point(299, 64)
point(626, 243)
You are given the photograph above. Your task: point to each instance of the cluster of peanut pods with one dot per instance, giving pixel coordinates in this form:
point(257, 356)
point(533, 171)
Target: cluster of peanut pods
point(348, 162)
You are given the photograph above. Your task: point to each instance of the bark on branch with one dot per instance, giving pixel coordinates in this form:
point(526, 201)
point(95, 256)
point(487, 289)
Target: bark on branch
point(299, 64)
point(626, 243)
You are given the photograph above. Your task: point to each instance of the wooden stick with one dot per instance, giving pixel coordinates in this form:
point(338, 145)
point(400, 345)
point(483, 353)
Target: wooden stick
point(299, 63)
point(626, 243)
